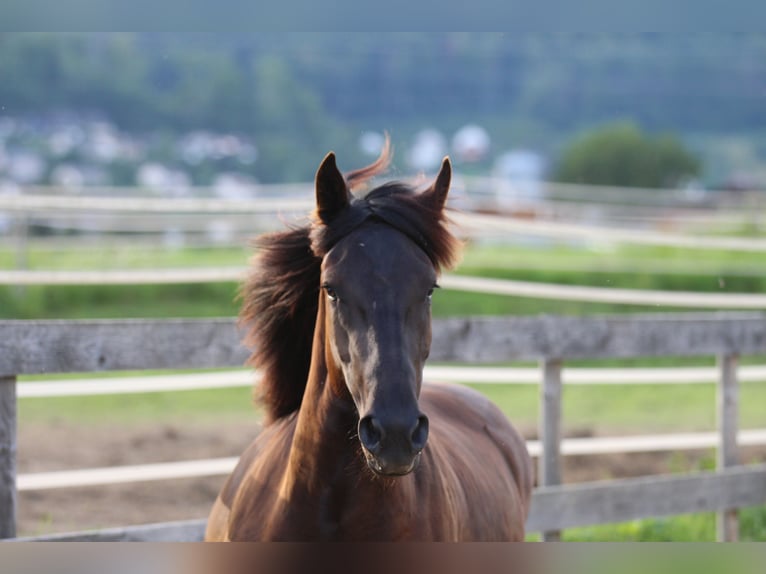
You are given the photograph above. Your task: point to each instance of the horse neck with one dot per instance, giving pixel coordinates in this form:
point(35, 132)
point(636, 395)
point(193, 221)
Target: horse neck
point(321, 443)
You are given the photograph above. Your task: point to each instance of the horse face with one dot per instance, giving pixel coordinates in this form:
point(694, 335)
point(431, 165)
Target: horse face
point(377, 287)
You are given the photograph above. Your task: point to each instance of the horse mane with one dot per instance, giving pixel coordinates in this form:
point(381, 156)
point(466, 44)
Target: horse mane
point(280, 295)
point(280, 298)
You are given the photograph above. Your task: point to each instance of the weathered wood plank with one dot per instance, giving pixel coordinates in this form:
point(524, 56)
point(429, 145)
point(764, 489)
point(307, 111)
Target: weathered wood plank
point(553, 508)
point(727, 412)
point(7, 457)
point(28, 347)
point(489, 339)
point(549, 463)
point(180, 531)
point(607, 502)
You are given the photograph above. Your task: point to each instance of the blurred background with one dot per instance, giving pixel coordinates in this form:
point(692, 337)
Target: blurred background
point(637, 132)
point(134, 168)
point(96, 109)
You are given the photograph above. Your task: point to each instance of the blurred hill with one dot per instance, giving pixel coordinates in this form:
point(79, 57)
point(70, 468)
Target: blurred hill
point(299, 94)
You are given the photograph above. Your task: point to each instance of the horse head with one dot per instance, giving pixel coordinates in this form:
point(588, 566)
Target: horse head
point(380, 259)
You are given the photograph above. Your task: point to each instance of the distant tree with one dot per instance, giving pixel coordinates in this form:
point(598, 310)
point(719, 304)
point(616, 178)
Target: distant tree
point(621, 154)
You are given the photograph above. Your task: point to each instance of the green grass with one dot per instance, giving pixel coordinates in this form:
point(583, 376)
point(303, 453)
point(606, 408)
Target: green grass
point(630, 267)
point(130, 409)
point(555, 263)
point(219, 299)
point(233, 403)
point(630, 409)
point(587, 254)
point(685, 528)
point(115, 301)
point(591, 258)
point(125, 255)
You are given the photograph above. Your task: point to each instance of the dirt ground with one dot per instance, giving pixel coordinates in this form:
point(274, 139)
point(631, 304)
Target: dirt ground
point(65, 446)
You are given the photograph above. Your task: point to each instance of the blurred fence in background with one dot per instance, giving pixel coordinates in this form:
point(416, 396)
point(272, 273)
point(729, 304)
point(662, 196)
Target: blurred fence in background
point(486, 209)
point(686, 218)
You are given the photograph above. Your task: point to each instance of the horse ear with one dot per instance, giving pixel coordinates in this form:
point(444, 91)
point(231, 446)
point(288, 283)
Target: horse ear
point(436, 195)
point(331, 191)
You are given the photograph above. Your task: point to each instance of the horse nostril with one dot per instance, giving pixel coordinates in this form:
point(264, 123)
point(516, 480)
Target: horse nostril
point(370, 434)
point(420, 433)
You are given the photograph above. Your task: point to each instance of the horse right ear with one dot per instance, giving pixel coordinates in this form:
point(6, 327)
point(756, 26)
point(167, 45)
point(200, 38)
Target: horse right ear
point(332, 195)
point(436, 195)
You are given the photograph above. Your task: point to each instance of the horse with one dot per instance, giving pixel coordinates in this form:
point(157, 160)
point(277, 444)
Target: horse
point(354, 446)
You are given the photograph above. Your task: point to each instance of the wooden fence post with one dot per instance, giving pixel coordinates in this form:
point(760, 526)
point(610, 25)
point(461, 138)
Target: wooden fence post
point(549, 464)
point(7, 457)
point(727, 414)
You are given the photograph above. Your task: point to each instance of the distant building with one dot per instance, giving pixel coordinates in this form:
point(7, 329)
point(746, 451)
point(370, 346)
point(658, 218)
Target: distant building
point(234, 185)
point(428, 150)
point(471, 144)
point(25, 167)
point(521, 175)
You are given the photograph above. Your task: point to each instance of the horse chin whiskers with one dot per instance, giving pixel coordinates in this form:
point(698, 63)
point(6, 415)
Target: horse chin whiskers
point(378, 472)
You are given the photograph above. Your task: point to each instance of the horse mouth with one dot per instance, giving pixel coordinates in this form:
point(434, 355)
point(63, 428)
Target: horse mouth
point(388, 469)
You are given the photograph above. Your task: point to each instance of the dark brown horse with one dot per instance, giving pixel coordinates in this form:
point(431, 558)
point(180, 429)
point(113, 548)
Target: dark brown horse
point(355, 446)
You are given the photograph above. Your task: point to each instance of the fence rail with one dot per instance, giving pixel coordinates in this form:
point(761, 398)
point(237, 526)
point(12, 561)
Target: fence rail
point(221, 466)
point(64, 346)
point(29, 347)
point(559, 507)
point(448, 374)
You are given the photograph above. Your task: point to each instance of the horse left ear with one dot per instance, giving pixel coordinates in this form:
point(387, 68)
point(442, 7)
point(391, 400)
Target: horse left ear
point(332, 195)
point(436, 195)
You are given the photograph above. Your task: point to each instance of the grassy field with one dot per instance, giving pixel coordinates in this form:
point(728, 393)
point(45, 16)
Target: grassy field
point(623, 267)
point(687, 528)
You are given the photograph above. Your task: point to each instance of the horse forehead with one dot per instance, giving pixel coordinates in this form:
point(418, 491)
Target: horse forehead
point(379, 250)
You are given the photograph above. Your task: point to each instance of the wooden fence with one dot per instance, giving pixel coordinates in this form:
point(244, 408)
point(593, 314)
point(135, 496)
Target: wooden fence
point(31, 347)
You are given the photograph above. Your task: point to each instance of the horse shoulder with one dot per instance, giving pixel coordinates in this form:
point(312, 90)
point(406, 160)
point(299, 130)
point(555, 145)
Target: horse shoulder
point(463, 406)
point(474, 429)
point(217, 528)
point(249, 487)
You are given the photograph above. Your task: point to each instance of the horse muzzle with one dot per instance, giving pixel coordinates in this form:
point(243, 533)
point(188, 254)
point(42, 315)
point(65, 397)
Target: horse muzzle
point(392, 447)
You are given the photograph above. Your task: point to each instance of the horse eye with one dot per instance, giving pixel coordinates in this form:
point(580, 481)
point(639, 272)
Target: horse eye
point(431, 292)
point(331, 294)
